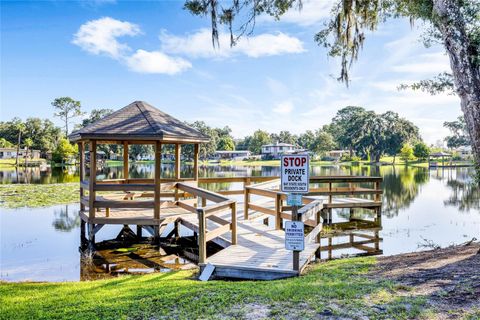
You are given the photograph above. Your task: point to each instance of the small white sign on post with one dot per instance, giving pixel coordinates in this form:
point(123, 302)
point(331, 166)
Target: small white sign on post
point(295, 173)
point(294, 199)
point(294, 235)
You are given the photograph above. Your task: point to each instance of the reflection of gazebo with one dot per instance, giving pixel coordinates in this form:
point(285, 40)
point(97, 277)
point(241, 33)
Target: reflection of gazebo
point(438, 155)
point(137, 123)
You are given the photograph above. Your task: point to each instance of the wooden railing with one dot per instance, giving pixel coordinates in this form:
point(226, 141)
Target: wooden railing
point(220, 203)
point(246, 181)
point(334, 187)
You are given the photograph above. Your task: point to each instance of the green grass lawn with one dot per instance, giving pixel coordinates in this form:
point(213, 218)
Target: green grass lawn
point(336, 288)
point(38, 195)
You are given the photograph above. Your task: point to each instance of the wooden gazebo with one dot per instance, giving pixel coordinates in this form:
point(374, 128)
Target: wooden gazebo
point(127, 200)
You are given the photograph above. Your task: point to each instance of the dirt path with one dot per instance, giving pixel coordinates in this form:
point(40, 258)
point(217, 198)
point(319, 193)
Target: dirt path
point(449, 278)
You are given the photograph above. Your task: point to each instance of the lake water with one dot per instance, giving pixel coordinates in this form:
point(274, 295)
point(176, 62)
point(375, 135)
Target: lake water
point(440, 206)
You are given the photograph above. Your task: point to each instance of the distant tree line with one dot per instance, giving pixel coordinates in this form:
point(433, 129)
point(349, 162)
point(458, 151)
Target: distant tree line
point(366, 134)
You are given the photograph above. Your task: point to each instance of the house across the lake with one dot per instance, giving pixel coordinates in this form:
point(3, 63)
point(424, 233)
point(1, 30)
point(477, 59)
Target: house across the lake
point(337, 154)
point(275, 150)
point(232, 155)
point(465, 152)
point(11, 153)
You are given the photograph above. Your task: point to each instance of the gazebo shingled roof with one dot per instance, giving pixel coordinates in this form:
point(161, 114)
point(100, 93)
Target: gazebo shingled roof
point(139, 121)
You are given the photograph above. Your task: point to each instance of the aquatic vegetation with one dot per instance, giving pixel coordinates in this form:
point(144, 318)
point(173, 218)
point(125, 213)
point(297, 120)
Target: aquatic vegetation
point(38, 195)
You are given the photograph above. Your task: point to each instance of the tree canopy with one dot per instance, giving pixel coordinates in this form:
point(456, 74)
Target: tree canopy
point(452, 23)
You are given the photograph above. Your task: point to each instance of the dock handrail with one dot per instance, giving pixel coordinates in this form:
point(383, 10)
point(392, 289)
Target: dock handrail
point(209, 212)
point(270, 190)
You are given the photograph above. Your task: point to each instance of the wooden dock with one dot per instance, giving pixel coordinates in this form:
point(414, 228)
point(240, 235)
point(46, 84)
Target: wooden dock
point(253, 248)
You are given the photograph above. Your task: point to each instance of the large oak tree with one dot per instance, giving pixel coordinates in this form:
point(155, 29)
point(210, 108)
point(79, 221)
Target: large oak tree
point(454, 23)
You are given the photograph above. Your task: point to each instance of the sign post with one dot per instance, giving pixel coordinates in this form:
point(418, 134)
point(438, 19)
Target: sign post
point(295, 181)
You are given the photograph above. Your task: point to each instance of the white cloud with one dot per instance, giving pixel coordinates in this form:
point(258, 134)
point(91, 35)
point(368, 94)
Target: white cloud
point(156, 62)
point(100, 36)
point(284, 107)
point(312, 12)
point(431, 63)
point(199, 45)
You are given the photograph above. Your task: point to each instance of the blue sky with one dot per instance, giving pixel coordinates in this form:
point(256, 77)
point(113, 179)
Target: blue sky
point(109, 53)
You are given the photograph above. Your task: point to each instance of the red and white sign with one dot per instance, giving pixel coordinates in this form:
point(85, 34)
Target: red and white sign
point(295, 173)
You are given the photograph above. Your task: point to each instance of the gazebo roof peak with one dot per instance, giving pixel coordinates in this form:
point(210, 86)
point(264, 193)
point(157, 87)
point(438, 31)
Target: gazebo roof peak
point(139, 121)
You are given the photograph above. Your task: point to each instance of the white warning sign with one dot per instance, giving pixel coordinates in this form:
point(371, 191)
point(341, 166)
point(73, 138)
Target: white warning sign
point(294, 235)
point(295, 173)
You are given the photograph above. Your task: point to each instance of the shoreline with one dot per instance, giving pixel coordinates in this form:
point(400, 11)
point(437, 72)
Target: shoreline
point(434, 284)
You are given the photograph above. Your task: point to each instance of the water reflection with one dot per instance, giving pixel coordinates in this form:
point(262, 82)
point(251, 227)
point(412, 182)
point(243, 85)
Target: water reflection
point(113, 258)
point(65, 220)
point(401, 185)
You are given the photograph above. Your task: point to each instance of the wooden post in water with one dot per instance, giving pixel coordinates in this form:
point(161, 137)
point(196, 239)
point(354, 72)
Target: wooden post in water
point(125, 160)
point(81, 150)
point(178, 152)
point(195, 161)
point(156, 207)
point(92, 179)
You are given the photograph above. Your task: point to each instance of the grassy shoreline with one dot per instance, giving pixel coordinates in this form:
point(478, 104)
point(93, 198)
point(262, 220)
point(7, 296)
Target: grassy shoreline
point(335, 289)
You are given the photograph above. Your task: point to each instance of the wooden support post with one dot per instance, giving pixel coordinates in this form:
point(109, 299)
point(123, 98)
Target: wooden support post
point(91, 234)
point(139, 231)
point(296, 254)
point(81, 151)
point(377, 187)
point(319, 236)
point(234, 223)
point(156, 234)
point(246, 200)
point(177, 228)
point(196, 148)
point(125, 160)
point(204, 202)
point(202, 245)
point(278, 210)
point(178, 152)
point(158, 168)
point(92, 180)
point(83, 237)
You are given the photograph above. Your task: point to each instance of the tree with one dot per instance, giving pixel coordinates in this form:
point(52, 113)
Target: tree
point(4, 143)
point(67, 109)
point(95, 115)
point(28, 144)
point(340, 128)
point(372, 135)
point(226, 143)
point(453, 23)
point(459, 132)
point(306, 140)
point(259, 139)
point(421, 150)
point(287, 137)
point(20, 127)
point(206, 149)
point(64, 151)
point(406, 152)
point(323, 142)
